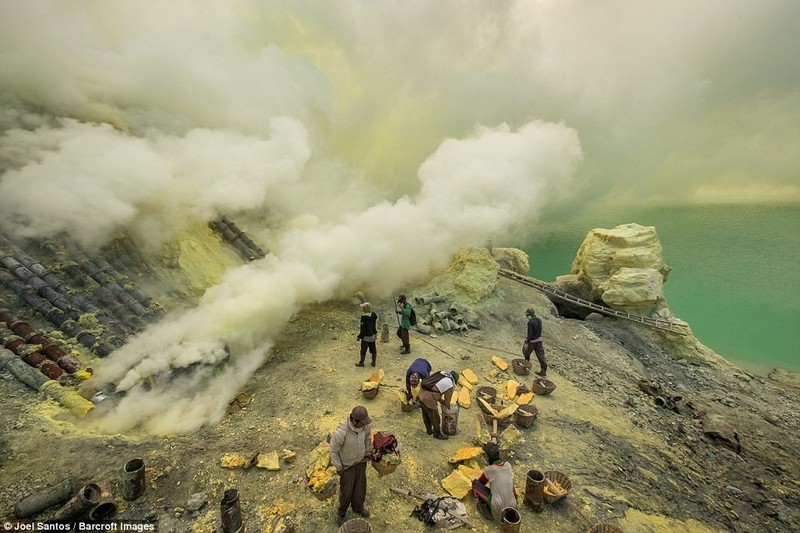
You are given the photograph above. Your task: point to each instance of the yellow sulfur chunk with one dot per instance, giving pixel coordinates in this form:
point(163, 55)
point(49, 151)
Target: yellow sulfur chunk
point(469, 471)
point(554, 490)
point(488, 407)
point(464, 454)
point(511, 389)
point(464, 382)
point(470, 376)
point(402, 396)
point(369, 385)
point(499, 363)
point(457, 484)
point(525, 398)
point(377, 376)
point(507, 411)
point(463, 398)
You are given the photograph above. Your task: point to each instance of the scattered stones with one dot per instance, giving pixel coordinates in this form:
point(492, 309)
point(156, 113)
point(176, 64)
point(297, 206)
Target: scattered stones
point(196, 502)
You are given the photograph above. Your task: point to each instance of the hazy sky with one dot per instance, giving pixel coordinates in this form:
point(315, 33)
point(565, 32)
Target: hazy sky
point(372, 138)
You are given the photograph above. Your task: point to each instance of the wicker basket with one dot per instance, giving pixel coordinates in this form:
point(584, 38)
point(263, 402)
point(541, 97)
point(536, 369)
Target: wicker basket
point(489, 394)
point(356, 525)
point(325, 494)
point(521, 366)
point(384, 469)
point(486, 411)
point(605, 528)
point(370, 394)
point(525, 415)
point(562, 479)
point(542, 386)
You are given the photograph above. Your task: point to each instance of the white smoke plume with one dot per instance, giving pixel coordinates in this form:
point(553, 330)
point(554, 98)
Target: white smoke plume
point(372, 139)
point(471, 189)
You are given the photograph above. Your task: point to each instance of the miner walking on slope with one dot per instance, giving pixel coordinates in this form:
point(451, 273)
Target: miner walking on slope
point(404, 319)
point(533, 341)
point(350, 449)
point(368, 333)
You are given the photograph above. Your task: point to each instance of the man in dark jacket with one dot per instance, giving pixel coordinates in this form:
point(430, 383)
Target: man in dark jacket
point(533, 341)
point(419, 370)
point(368, 333)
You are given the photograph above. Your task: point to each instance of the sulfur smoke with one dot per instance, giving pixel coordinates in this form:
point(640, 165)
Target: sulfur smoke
point(371, 138)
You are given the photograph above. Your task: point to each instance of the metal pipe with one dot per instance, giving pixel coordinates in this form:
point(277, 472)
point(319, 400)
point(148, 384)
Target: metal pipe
point(509, 520)
point(102, 511)
point(534, 490)
point(231, 513)
point(77, 404)
point(86, 498)
point(28, 375)
point(45, 498)
point(133, 479)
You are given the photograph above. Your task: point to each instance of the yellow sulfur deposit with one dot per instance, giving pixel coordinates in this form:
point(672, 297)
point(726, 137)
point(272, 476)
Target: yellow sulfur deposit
point(232, 460)
point(525, 398)
point(470, 376)
point(507, 411)
point(464, 454)
point(82, 375)
point(470, 472)
point(320, 474)
point(457, 484)
point(322, 479)
point(464, 382)
point(463, 398)
point(554, 488)
point(511, 389)
point(488, 407)
point(377, 376)
point(269, 461)
point(319, 458)
point(402, 396)
point(369, 385)
point(499, 363)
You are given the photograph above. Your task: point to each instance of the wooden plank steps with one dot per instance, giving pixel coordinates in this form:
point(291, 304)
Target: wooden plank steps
point(660, 323)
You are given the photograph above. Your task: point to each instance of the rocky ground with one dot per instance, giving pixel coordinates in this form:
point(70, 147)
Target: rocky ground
point(633, 463)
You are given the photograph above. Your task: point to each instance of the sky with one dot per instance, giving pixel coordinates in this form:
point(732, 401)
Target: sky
point(372, 138)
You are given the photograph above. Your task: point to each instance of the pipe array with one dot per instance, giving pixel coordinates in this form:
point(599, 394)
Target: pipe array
point(246, 247)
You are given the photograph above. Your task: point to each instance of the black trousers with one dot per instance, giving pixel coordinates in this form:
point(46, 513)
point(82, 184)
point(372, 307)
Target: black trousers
point(353, 488)
point(373, 350)
point(536, 347)
point(404, 338)
point(430, 417)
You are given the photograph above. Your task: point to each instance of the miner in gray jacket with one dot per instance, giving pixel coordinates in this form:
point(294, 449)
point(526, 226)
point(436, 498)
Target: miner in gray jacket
point(350, 449)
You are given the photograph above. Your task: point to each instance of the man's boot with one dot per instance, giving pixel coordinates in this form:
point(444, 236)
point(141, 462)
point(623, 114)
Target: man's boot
point(440, 436)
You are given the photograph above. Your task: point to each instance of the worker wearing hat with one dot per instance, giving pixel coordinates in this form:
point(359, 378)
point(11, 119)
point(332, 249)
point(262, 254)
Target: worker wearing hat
point(436, 389)
point(404, 323)
point(350, 449)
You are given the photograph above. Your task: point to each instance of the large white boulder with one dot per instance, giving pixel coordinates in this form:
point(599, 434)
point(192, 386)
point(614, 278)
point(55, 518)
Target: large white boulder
point(625, 269)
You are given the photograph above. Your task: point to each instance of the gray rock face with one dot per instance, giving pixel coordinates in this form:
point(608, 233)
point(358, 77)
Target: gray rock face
point(624, 268)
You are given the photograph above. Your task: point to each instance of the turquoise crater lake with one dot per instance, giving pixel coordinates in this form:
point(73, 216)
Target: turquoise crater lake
point(734, 278)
